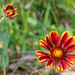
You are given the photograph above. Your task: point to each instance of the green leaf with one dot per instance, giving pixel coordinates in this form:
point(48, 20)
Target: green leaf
point(5, 42)
point(46, 17)
point(73, 21)
point(24, 67)
point(55, 18)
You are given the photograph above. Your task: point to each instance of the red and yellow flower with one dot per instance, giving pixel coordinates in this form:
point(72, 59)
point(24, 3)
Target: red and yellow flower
point(59, 51)
point(10, 11)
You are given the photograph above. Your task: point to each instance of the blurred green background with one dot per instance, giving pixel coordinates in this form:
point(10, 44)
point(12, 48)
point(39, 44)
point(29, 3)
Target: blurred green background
point(36, 18)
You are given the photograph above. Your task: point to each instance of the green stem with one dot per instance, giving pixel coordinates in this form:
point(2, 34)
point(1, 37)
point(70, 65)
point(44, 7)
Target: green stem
point(24, 28)
point(10, 28)
point(7, 40)
point(1, 19)
point(54, 67)
point(4, 69)
point(24, 34)
point(6, 46)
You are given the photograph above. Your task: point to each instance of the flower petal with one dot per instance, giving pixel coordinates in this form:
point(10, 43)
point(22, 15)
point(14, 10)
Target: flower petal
point(42, 59)
point(69, 41)
point(58, 66)
point(64, 36)
point(71, 56)
point(54, 37)
point(40, 53)
point(64, 65)
point(50, 63)
point(44, 45)
point(71, 48)
point(48, 41)
point(69, 62)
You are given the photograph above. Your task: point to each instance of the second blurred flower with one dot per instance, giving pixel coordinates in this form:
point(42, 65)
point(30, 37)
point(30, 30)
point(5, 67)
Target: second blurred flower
point(10, 11)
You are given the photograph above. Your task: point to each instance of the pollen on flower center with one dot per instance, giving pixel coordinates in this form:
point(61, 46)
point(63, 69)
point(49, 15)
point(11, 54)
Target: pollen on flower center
point(10, 11)
point(57, 53)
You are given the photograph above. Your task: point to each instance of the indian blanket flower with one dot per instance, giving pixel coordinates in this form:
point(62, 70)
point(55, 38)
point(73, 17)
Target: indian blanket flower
point(59, 51)
point(10, 11)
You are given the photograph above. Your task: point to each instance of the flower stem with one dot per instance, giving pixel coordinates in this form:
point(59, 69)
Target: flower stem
point(60, 72)
point(4, 70)
point(1, 19)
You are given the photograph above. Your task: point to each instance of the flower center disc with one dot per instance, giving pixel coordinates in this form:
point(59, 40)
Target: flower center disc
point(10, 11)
point(57, 54)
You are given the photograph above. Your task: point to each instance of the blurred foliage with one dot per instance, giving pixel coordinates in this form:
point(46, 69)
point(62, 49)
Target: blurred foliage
point(36, 18)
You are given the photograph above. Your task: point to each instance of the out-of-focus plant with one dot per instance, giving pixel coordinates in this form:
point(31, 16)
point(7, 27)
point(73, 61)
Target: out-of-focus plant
point(8, 13)
point(46, 15)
